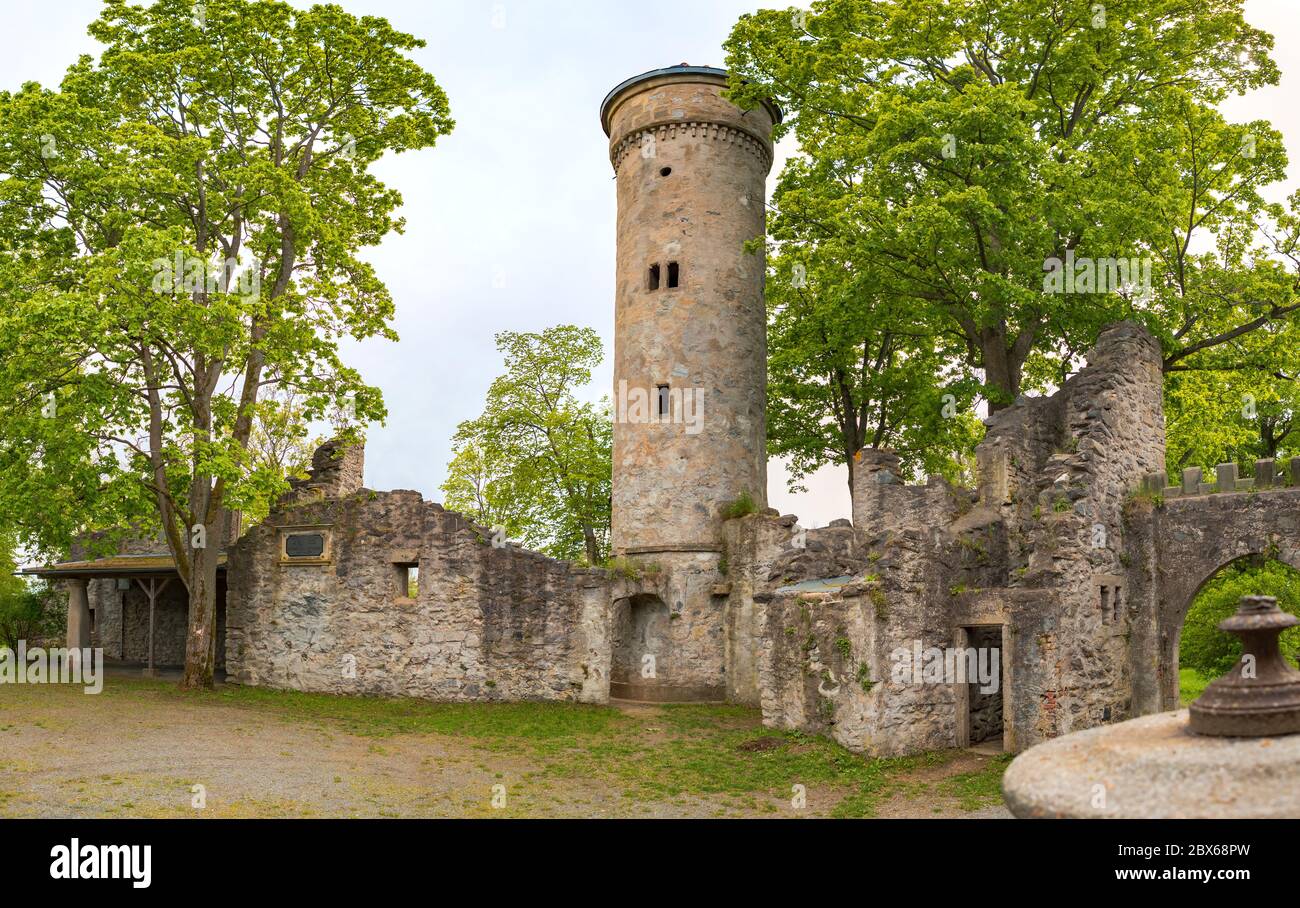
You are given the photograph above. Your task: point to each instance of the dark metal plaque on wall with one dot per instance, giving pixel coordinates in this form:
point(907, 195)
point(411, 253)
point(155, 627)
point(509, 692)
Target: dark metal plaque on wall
point(304, 545)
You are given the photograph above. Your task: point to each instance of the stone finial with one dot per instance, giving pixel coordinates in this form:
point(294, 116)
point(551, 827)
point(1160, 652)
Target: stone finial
point(1260, 697)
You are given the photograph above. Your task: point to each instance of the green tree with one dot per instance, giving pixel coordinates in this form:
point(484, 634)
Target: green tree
point(27, 612)
point(848, 370)
point(537, 461)
point(964, 151)
point(1212, 652)
point(280, 448)
point(1241, 402)
point(180, 229)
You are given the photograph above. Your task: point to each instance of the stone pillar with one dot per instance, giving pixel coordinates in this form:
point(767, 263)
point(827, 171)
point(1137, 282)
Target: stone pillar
point(876, 476)
point(78, 615)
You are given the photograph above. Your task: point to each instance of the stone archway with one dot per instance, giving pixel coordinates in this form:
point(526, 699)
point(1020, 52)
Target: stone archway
point(1177, 603)
point(1195, 538)
point(640, 667)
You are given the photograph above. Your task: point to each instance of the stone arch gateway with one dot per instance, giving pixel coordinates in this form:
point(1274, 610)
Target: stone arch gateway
point(1187, 540)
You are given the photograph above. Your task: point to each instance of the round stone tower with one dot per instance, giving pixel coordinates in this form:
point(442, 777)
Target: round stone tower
point(690, 351)
point(690, 363)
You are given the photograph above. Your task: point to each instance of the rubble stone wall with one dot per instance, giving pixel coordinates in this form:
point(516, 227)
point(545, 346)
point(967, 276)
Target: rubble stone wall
point(1037, 558)
point(488, 622)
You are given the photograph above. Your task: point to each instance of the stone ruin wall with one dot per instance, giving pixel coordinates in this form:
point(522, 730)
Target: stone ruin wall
point(488, 622)
point(669, 606)
point(939, 565)
point(820, 651)
point(1112, 431)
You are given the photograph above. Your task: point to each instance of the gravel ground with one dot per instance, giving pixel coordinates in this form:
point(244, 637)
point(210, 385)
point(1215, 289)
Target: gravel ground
point(143, 752)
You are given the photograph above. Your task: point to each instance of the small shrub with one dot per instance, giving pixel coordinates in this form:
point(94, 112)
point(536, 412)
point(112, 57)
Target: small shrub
point(741, 507)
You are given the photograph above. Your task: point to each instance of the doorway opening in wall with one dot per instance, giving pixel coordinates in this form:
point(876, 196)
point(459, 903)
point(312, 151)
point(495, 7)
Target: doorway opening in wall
point(982, 701)
point(639, 661)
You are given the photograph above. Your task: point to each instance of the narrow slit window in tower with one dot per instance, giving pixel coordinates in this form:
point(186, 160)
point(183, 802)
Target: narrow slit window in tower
point(665, 408)
point(673, 272)
point(653, 282)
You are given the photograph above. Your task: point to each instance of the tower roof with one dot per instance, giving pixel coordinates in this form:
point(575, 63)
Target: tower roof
point(682, 69)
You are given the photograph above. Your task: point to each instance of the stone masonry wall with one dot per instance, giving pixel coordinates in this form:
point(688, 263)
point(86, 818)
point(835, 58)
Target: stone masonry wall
point(487, 623)
point(1036, 560)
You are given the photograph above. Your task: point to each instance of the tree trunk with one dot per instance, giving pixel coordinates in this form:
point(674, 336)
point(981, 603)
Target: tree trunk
point(1001, 371)
point(201, 642)
point(589, 541)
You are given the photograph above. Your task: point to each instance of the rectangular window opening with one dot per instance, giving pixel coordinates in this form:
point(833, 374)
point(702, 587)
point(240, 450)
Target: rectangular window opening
point(408, 581)
point(665, 400)
point(674, 273)
point(653, 281)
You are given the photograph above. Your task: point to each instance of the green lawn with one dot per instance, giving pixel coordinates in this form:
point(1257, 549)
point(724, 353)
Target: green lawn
point(688, 749)
point(718, 759)
point(1190, 684)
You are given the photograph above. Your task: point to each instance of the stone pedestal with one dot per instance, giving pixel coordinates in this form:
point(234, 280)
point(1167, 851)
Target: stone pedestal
point(1155, 768)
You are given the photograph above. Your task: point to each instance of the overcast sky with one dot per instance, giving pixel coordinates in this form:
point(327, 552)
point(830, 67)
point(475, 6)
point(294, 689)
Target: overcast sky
point(510, 219)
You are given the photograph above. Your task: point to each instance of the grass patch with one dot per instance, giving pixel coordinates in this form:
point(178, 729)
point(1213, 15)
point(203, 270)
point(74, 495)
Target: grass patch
point(977, 790)
point(705, 759)
point(1191, 684)
point(379, 716)
point(742, 506)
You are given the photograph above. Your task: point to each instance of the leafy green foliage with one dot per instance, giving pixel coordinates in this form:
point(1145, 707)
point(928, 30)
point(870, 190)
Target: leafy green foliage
point(27, 612)
point(847, 371)
point(950, 152)
point(742, 506)
point(1211, 652)
point(181, 225)
point(537, 462)
point(1243, 406)
point(34, 614)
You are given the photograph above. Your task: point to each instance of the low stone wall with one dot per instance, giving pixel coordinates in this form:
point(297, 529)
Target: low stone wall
point(488, 622)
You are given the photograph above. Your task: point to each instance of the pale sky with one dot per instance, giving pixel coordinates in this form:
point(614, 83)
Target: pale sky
point(510, 219)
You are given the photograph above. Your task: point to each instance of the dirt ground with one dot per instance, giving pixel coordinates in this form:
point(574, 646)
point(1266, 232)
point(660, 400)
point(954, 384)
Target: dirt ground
point(142, 749)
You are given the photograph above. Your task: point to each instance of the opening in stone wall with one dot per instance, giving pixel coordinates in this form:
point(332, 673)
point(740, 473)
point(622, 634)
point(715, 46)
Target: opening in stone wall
point(984, 697)
point(674, 272)
point(652, 281)
point(639, 661)
point(1203, 651)
point(408, 581)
